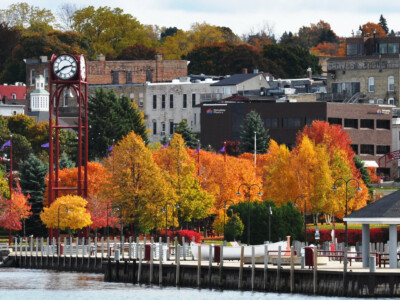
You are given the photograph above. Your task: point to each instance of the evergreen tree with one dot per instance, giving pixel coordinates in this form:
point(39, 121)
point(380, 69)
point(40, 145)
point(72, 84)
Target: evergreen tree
point(111, 118)
point(253, 123)
point(33, 173)
point(65, 162)
point(383, 23)
point(188, 136)
point(364, 175)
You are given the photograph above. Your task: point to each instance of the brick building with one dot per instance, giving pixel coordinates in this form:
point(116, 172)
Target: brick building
point(12, 99)
point(370, 72)
point(369, 126)
point(105, 72)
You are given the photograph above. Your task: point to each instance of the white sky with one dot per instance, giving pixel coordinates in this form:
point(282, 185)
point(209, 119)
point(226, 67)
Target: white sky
point(244, 16)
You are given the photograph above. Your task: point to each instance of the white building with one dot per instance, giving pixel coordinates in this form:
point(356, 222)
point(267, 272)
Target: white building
point(39, 98)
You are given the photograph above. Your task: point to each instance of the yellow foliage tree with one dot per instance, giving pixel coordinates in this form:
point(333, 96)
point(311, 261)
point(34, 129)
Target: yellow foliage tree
point(66, 211)
point(179, 169)
point(137, 186)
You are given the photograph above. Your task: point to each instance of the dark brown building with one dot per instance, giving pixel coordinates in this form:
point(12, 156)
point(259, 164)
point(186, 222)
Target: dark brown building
point(369, 126)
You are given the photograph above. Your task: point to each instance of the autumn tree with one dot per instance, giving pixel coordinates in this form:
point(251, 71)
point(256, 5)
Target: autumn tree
point(109, 30)
point(32, 180)
point(135, 181)
point(180, 172)
point(111, 118)
point(28, 17)
point(252, 126)
point(66, 211)
point(222, 177)
point(373, 29)
point(14, 210)
point(20, 123)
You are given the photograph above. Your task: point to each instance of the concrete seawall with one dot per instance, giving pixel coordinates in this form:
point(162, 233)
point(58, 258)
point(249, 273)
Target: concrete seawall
point(189, 274)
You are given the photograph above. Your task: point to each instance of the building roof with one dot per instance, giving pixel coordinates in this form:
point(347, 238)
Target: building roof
point(383, 211)
point(235, 79)
point(40, 91)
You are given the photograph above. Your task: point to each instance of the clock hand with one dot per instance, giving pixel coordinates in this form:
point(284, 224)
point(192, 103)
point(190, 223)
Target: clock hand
point(64, 68)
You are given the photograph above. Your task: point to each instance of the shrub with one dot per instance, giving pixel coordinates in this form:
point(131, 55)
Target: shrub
point(187, 234)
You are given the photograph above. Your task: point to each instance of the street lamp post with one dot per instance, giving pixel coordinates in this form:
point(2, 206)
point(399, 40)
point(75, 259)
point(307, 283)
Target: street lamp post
point(305, 211)
point(335, 188)
point(58, 227)
point(248, 205)
point(225, 208)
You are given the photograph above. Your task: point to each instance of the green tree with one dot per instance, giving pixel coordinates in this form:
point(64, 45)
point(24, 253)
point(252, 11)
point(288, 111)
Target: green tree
point(233, 228)
point(9, 37)
point(364, 175)
point(188, 136)
point(253, 124)
point(137, 52)
point(285, 220)
point(21, 148)
point(65, 162)
point(33, 173)
point(294, 61)
point(110, 119)
point(170, 31)
point(20, 124)
point(383, 23)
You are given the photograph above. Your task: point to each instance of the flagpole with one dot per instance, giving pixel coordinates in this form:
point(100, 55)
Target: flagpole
point(11, 184)
point(225, 152)
point(255, 149)
point(198, 158)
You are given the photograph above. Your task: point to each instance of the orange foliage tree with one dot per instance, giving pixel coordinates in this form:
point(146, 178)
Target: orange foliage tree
point(222, 178)
point(369, 29)
point(12, 212)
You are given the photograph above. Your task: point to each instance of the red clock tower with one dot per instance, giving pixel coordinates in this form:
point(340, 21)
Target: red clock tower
point(68, 72)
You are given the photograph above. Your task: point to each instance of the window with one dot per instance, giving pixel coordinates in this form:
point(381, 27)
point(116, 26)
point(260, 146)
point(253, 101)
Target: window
point(355, 148)
point(154, 127)
point(154, 101)
point(371, 84)
point(351, 49)
point(382, 149)
point(367, 149)
point(336, 121)
point(162, 101)
point(367, 123)
point(291, 122)
point(193, 100)
point(393, 48)
point(195, 119)
point(46, 76)
point(391, 83)
point(171, 127)
point(271, 122)
point(171, 101)
point(163, 127)
point(226, 90)
point(184, 101)
point(382, 124)
point(140, 99)
point(382, 48)
point(32, 77)
point(14, 96)
point(351, 123)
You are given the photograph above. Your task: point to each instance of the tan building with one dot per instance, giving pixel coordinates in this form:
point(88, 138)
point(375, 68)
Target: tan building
point(368, 74)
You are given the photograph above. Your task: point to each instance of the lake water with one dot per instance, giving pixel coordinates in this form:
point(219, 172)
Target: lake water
point(29, 284)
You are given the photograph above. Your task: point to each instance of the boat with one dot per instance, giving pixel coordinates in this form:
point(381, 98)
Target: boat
point(233, 252)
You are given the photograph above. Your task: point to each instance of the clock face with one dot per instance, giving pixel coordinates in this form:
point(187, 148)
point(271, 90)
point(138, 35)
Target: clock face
point(65, 67)
point(83, 67)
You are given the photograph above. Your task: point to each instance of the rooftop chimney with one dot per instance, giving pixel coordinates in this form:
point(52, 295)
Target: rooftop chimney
point(309, 73)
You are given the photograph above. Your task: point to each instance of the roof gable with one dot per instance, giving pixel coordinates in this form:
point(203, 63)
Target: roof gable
point(236, 79)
